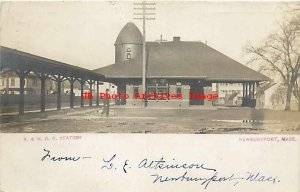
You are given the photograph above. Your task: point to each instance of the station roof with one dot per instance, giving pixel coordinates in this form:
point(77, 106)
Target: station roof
point(15, 59)
point(183, 60)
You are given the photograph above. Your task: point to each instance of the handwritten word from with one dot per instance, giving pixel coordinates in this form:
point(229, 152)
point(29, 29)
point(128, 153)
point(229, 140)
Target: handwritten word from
point(51, 157)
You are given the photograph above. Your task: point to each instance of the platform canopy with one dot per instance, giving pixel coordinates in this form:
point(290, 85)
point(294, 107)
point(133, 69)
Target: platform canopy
point(16, 60)
point(183, 60)
point(23, 64)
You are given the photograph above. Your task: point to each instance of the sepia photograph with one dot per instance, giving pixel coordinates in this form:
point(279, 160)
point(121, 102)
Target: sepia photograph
point(149, 96)
point(192, 67)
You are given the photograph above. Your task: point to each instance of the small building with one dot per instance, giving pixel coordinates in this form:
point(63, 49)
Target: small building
point(10, 84)
point(185, 68)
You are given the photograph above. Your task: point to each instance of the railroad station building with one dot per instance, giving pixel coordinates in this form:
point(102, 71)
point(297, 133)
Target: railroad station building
point(176, 67)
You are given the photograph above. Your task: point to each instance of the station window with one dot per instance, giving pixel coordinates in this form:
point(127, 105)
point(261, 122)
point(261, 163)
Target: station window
point(128, 56)
point(161, 88)
point(151, 90)
point(178, 90)
point(128, 50)
point(12, 81)
point(34, 82)
point(135, 91)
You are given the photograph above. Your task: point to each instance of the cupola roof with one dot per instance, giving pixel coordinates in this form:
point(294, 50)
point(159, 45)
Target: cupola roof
point(129, 34)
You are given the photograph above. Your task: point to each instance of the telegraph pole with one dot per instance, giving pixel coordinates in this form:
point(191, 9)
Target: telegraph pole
point(144, 11)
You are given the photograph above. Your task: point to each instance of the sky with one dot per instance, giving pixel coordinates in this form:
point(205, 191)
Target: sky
point(83, 33)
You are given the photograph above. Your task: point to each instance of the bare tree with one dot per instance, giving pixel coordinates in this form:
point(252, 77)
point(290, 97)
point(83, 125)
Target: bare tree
point(280, 54)
point(296, 92)
point(278, 97)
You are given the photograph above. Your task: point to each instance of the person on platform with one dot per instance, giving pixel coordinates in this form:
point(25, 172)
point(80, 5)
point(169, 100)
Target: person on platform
point(105, 104)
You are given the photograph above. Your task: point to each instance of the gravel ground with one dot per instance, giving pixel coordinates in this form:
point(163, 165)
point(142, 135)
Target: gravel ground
point(133, 120)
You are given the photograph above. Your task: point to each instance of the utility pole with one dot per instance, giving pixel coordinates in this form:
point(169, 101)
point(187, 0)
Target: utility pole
point(144, 11)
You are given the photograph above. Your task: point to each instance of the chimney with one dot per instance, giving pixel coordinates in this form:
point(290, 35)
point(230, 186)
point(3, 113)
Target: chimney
point(176, 39)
